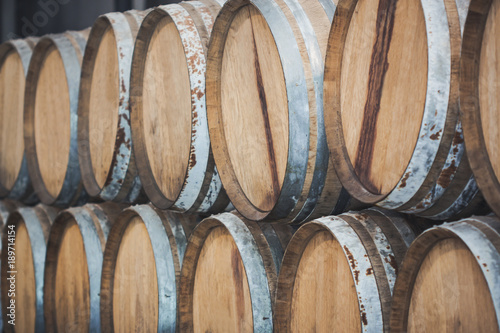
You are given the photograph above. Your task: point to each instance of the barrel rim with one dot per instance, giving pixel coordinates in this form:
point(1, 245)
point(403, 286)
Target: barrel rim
point(167, 265)
point(118, 182)
point(37, 221)
point(298, 120)
point(370, 314)
point(475, 143)
point(417, 253)
point(86, 220)
point(201, 175)
point(256, 273)
point(72, 188)
point(429, 153)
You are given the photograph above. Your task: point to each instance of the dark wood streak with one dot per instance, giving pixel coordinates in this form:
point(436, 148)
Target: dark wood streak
point(265, 116)
point(378, 68)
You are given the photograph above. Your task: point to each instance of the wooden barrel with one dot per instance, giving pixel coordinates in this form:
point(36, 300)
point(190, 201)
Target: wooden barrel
point(339, 272)
point(73, 268)
point(479, 96)
point(229, 275)
point(169, 122)
point(23, 261)
point(392, 110)
point(141, 268)
point(15, 183)
point(50, 118)
point(104, 135)
point(449, 280)
point(265, 108)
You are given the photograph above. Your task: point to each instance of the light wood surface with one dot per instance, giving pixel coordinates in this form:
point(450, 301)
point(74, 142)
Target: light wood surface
point(135, 290)
point(489, 85)
point(167, 109)
point(221, 296)
point(72, 297)
point(25, 281)
point(450, 293)
point(383, 89)
point(324, 295)
point(103, 107)
point(254, 108)
point(52, 122)
point(12, 82)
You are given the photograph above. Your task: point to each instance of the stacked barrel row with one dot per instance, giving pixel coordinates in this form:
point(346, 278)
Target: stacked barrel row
point(271, 106)
point(100, 268)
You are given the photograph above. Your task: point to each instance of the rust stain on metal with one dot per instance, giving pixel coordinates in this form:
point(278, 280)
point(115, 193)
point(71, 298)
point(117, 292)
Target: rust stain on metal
point(392, 261)
point(363, 318)
point(405, 178)
point(445, 177)
point(350, 257)
point(369, 271)
point(436, 135)
point(356, 276)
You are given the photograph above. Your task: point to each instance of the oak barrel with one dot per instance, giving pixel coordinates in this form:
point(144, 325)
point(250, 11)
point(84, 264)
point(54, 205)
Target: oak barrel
point(338, 273)
point(265, 109)
point(141, 270)
point(449, 280)
point(229, 275)
point(15, 56)
point(392, 109)
point(50, 118)
point(22, 268)
point(479, 90)
point(169, 121)
point(73, 267)
point(104, 134)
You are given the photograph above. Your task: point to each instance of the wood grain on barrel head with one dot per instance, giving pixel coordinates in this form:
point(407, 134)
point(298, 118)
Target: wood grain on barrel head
point(383, 89)
point(450, 293)
point(254, 108)
point(52, 122)
point(221, 295)
point(12, 82)
point(103, 107)
point(489, 85)
point(324, 295)
point(25, 281)
point(135, 289)
point(72, 297)
point(167, 109)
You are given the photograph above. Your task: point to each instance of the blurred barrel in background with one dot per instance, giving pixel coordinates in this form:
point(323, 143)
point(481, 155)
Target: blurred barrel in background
point(104, 134)
point(73, 268)
point(22, 266)
point(15, 57)
point(50, 118)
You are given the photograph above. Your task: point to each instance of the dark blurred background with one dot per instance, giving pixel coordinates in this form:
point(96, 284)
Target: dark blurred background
point(22, 18)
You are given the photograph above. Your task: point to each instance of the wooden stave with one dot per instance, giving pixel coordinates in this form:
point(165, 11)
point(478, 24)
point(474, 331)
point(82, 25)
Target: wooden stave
point(94, 222)
point(123, 183)
point(486, 229)
point(38, 221)
point(375, 288)
point(402, 195)
point(22, 189)
point(290, 206)
point(263, 263)
point(72, 192)
point(469, 98)
point(173, 229)
point(209, 196)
